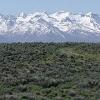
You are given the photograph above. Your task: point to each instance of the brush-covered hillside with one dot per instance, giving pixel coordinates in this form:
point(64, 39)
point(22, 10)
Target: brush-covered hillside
point(49, 71)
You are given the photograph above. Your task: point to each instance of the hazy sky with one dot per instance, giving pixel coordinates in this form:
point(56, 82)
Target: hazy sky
point(16, 6)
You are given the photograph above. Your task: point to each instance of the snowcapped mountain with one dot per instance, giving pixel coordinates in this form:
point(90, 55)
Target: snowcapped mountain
point(57, 27)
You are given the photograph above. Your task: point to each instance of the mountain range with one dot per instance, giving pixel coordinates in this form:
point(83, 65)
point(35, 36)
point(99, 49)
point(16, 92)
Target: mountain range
point(60, 26)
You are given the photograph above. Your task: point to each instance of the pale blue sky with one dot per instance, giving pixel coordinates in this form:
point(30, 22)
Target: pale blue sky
point(16, 6)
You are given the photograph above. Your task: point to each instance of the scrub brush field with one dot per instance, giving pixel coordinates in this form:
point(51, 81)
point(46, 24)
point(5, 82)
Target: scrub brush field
point(50, 71)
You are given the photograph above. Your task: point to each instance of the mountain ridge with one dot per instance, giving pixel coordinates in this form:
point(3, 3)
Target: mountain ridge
point(43, 27)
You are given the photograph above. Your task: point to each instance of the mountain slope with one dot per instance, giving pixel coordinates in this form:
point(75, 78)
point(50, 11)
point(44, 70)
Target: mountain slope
point(42, 27)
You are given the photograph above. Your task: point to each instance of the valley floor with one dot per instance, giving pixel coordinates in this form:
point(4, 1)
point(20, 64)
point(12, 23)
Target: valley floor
point(49, 71)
